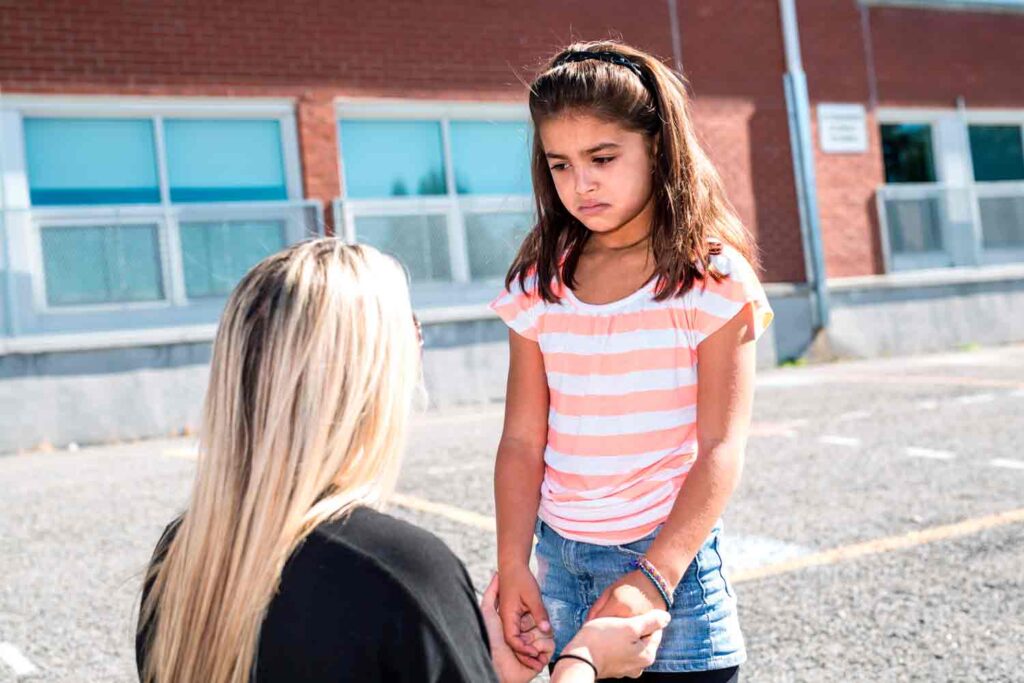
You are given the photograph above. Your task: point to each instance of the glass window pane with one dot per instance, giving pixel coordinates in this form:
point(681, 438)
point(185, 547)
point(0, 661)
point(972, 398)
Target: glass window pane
point(914, 225)
point(997, 153)
point(491, 157)
point(419, 242)
point(392, 158)
point(217, 255)
point(907, 151)
point(91, 161)
point(493, 240)
point(224, 160)
point(1002, 222)
point(101, 264)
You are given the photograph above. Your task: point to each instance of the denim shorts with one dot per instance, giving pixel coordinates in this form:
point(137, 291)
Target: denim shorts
point(704, 633)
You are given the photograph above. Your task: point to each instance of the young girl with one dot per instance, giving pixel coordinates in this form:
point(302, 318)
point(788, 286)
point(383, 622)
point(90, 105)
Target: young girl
point(637, 274)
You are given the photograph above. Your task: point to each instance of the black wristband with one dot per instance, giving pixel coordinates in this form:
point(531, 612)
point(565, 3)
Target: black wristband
point(582, 659)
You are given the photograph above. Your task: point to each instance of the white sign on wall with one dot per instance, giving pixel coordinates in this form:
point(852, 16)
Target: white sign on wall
point(842, 128)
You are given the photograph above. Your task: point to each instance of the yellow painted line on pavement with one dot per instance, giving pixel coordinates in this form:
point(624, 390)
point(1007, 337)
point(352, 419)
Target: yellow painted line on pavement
point(844, 553)
point(882, 545)
point(457, 514)
point(467, 517)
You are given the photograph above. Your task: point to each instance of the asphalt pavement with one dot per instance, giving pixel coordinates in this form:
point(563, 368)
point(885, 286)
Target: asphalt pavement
point(877, 534)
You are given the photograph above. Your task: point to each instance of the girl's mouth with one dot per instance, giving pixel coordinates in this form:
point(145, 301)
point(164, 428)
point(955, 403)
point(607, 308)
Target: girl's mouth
point(591, 209)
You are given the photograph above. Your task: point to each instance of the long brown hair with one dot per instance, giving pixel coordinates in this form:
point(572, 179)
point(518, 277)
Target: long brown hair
point(314, 367)
point(690, 206)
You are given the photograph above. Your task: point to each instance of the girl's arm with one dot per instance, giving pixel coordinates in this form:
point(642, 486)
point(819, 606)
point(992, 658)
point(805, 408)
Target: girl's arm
point(725, 390)
point(725, 397)
point(518, 474)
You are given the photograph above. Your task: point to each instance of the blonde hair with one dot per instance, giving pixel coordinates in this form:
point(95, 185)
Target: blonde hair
point(314, 368)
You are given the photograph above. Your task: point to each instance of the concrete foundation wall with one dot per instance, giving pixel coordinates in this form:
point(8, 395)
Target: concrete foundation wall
point(56, 398)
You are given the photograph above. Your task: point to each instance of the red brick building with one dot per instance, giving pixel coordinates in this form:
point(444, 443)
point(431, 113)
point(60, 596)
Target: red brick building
point(914, 181)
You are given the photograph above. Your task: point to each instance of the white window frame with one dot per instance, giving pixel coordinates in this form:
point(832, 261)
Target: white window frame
point(451, 204)
point(996, 188)
point(954, 174)
point(15, 108)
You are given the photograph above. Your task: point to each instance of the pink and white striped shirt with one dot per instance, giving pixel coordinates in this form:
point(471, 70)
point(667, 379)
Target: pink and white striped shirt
point(622, 379)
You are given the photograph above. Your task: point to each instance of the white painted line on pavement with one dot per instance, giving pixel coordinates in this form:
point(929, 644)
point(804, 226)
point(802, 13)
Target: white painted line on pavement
point(833, 440)
point(786, 428)
point(931, 453)
point(746, 552)
point(975, 398)
point(463, 467)
point(432, 419)
point(928, 404)
point(855, 415)
point(1007, 463)
point(884, 545)
point(18, 662)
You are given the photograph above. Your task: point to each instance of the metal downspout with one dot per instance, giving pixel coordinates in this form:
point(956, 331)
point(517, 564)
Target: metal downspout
point(798, 108)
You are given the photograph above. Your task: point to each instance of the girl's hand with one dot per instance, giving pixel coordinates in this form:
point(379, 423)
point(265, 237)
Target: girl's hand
point(617, 647)
point(519, 602)
point(631, 595)
point(506, 664)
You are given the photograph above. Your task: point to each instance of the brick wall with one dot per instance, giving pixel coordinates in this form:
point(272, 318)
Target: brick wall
point(733, 58)
point(978, 55)
point(446, 49)
point(832, 45)
point(922, 58)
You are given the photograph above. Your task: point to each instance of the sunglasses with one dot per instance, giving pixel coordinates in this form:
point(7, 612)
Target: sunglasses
point(419, 329)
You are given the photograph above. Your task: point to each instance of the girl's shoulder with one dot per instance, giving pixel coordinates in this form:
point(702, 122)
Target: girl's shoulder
point(724, 293)
point(521, 305)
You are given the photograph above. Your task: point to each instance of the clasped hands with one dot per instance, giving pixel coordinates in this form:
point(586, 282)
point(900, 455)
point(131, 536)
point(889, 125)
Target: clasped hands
point(621, 635)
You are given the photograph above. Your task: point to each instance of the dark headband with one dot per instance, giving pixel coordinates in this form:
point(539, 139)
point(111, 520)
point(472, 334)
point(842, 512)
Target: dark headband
point(610, 57)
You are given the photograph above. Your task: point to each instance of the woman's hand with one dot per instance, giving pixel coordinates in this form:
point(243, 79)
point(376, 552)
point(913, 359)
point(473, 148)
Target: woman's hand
point(510, 669)
point(631, 595)
point(519, 605)
point(617, 647)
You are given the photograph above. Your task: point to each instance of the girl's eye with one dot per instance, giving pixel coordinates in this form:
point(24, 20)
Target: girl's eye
point(558, 167)
point(603, 160)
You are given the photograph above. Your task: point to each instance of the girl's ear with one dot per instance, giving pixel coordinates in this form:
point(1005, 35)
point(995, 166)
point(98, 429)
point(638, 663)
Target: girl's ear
point(654, 147)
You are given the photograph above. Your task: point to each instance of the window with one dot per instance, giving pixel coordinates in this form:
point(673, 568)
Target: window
point(997, 155)
point(907, 151)
point(954, 190)
point(111, 251)
point(392, 158)
point(491, 158)
point(101, 264)
point(91, 161)
point(224, 160)
point(449, 195)
point(421, 242)
point(215, 256)
point(996, 152)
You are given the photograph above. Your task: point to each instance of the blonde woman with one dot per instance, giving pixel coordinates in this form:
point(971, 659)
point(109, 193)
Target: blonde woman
point(282, 568)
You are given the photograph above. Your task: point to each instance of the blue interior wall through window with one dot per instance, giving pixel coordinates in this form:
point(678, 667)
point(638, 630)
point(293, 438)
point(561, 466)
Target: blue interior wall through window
point(210, 160)
point(491, 157)
point(392, 158)
point(73, 161)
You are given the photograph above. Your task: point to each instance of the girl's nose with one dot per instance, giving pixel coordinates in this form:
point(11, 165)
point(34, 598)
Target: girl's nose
point(584, 181)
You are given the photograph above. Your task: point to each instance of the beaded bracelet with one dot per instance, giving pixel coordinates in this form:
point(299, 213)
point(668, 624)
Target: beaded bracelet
point(648, 569)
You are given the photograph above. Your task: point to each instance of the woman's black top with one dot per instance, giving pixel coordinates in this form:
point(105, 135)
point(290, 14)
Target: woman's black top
point(369, 598)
